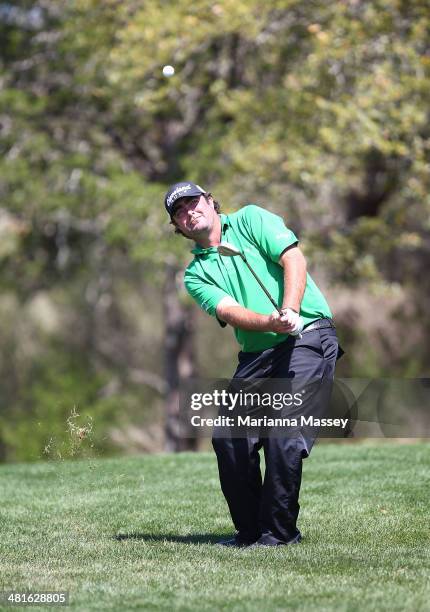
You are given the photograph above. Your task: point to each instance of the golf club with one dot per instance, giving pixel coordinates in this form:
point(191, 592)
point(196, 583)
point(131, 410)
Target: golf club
point(228, 250)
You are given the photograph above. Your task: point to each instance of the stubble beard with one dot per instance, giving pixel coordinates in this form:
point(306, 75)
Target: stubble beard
point(200, 231)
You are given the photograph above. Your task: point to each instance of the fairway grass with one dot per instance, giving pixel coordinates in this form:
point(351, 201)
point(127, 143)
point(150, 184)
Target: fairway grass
point(138, 534)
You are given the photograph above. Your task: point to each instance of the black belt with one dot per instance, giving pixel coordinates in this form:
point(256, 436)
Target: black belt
point(319, 324)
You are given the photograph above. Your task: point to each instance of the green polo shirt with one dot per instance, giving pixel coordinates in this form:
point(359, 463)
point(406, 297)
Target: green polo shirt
point(263, 237)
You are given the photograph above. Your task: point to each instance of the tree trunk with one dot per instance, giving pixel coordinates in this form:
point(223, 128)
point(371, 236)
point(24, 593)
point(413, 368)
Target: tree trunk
point(2, 451)
point(179, 361)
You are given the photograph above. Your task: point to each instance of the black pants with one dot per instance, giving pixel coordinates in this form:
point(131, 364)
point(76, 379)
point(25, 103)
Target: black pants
point(268, 510)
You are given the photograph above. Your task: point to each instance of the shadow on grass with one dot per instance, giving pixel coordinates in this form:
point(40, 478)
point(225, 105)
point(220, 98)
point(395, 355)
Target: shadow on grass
point(198, 538)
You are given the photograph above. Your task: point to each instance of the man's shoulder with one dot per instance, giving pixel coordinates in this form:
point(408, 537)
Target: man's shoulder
point(246, 212)
point(191, 278)
point(247, 209)
point(194, 270)
point(190, 268)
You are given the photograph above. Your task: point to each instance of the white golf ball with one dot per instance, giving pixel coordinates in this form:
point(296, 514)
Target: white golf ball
point(168, 71)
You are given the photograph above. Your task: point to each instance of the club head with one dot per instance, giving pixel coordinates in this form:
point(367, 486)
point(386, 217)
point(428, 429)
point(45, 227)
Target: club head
point(227, 249)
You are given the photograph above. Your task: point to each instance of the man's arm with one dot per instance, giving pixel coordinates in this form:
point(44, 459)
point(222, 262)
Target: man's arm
point(294, 264)
point(236, 315)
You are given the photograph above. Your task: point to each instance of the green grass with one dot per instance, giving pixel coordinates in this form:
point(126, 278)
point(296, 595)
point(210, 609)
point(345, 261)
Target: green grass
point(364, 518)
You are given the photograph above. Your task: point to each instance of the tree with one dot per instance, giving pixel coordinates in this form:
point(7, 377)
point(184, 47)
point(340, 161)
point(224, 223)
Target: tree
point(319, 111)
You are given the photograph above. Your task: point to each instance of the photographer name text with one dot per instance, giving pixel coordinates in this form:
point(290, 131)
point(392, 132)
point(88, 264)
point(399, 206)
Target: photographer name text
point(265, 421)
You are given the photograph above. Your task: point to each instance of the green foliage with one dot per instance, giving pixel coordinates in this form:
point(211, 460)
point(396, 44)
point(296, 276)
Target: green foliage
point(317, 110)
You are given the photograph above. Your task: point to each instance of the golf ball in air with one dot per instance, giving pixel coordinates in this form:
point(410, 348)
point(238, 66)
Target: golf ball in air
point(168, 71)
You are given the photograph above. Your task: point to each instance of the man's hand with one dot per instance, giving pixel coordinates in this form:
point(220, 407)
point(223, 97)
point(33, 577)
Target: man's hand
point(294, 319)
point(279, 324)
point(287, 323)
point(234, 314)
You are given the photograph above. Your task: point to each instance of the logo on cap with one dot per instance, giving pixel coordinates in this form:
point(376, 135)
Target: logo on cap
point(181, 190)
point(175, 194)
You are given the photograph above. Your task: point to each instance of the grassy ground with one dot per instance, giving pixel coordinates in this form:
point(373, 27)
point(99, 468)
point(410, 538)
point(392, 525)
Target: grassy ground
point(138, 533)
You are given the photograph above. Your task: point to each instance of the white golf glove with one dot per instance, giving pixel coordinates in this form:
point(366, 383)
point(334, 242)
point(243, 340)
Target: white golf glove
point(293, 317)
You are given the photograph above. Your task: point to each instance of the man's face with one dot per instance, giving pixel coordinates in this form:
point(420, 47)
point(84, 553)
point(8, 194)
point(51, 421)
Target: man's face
point(194, 216)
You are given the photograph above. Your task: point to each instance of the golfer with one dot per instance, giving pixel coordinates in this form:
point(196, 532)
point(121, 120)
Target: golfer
point(263, 513)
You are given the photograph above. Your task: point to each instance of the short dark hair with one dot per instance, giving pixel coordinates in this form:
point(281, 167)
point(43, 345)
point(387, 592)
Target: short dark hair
point(217, 208)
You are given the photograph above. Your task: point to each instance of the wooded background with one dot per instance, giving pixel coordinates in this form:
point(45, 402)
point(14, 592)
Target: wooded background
point(318, 111)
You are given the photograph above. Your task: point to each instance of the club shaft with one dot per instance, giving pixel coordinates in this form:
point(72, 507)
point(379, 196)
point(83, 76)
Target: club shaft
point(261, 284)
